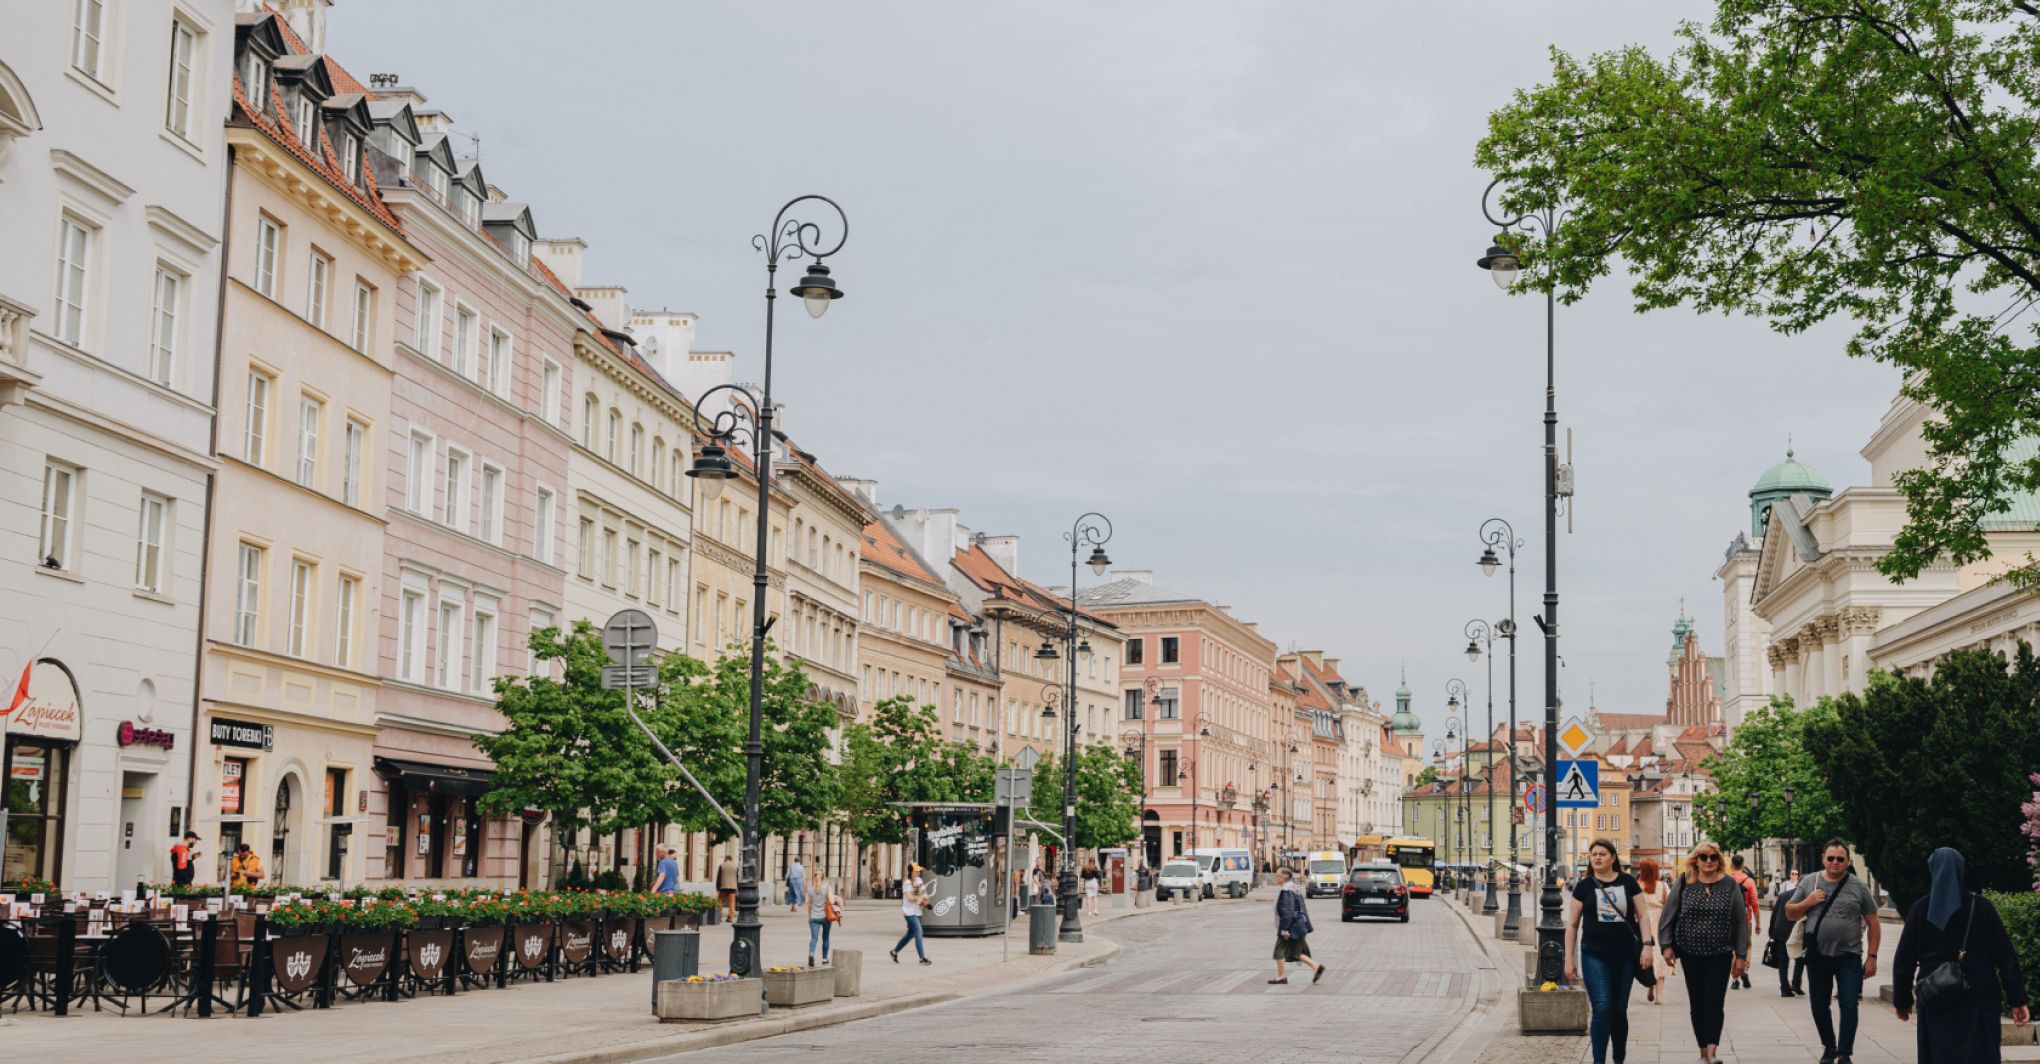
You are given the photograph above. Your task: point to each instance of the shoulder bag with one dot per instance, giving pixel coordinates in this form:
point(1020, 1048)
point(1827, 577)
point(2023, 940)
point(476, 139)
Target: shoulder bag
point(1946, 985)
point(1813, 933)
point(1645, 976)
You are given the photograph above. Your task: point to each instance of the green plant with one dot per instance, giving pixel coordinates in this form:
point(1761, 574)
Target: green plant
point(610, 879)
point(2021, 913)
point(28, 886)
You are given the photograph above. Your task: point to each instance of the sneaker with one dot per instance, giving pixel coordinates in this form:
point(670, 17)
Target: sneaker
point(1827, 1056)
point(810, 960)
point(1319, 974)
point(925, 960)
point(1277, 982)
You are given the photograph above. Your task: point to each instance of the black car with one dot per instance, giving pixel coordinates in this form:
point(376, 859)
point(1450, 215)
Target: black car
point(1374, 890)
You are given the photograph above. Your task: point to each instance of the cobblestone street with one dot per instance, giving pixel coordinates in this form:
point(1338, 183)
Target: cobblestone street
point(1193, 985)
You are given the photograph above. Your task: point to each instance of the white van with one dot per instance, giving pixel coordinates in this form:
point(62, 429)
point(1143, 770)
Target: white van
point(1179, 875)
point(1227, 872)
point(1325, 874)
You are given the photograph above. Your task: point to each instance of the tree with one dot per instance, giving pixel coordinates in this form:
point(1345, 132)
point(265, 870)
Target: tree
point(1428, 776)
point(797, 783)
point(1917, 764)
point(897, 756)
point(569, 747)
point(1801, 160)
point(1764, 756)
point(1108, 796)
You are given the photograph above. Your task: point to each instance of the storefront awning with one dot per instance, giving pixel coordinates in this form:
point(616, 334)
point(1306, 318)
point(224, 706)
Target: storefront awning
point(435, 779)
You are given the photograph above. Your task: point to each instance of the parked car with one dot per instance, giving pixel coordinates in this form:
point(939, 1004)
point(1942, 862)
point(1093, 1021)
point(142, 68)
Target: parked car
point(1374, 889)
point(1179, 877)
point(1325, 875)
point(1227, 872)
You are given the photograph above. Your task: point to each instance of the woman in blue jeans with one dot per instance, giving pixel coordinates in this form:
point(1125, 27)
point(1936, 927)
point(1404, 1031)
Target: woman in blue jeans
point(912, 897)
point(1604, 942)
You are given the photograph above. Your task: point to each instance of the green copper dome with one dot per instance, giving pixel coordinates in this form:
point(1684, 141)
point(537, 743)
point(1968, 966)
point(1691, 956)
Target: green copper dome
point(1791, 477)
point(1405, 722)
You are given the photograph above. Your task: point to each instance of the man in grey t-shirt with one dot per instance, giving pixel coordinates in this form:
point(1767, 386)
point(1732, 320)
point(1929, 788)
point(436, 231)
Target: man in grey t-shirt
point(1835, 955)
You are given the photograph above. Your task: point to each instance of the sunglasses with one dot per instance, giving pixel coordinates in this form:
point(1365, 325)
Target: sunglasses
point(1836, 860)
point(1710, 857)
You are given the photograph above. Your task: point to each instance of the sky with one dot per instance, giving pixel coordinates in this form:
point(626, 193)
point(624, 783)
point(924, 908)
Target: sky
point(1207, 268)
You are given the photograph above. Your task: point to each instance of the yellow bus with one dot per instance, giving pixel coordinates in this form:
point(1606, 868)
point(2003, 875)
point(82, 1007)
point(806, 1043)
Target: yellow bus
point(1414, 857)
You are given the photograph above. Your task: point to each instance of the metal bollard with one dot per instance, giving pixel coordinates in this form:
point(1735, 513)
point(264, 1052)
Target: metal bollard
point(675, 955)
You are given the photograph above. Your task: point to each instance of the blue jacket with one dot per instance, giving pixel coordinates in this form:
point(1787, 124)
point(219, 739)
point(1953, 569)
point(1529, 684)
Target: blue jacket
point(1292, 913)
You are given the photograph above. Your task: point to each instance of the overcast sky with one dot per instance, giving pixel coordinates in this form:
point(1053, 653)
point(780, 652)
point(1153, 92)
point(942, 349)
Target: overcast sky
point(1207, 267)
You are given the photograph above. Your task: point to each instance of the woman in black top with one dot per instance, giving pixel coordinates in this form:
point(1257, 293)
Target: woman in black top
point(1964, 1031)
point(1705, 928)
point(1610, 946)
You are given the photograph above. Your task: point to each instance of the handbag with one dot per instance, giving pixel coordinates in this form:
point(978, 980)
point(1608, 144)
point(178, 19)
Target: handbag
point(1946, 984)
point(1774, 957)
point(1646, 977)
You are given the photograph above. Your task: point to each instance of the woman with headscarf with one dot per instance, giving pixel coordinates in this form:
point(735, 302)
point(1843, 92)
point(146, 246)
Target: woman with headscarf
point(1952, 925)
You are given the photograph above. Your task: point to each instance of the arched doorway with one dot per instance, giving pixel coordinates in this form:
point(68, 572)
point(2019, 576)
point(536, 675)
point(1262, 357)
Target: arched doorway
point(283, 848)
point(1151, 837)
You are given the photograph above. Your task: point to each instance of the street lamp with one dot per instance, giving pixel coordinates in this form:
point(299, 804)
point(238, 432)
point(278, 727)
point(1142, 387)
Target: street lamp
point(749, 419)
point(1756, 828)
point(1791, 836)
point(1288, 806)
point(1495, 532)
point(1091, 530)
point(1503, 266)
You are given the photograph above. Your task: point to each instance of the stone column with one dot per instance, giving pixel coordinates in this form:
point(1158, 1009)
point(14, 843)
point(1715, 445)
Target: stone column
point(1859, 626)
point(1826, 630)
point(1775, 656)
point(1790, 648)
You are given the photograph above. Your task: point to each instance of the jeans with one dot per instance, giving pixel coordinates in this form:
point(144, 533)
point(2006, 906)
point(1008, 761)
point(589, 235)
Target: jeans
point(913, 935)
point(1608, 977)
point(818, 930)
point(1706, 991)
point(1841, 975)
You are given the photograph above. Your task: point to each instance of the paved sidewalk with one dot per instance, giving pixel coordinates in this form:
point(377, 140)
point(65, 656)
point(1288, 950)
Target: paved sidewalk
point(1762, 1027)
point(582, 1020)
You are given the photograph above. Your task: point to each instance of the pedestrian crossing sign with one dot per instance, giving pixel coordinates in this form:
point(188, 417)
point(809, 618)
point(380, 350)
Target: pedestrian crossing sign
point(1579, 784)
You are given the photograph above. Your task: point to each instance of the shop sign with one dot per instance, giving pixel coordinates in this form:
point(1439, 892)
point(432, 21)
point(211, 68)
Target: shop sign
point(131, 734)
point(230, 787)
point(241, 733)
point(51, 711)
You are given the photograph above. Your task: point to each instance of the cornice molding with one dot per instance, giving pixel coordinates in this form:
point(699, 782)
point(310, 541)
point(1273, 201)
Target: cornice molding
point(91, 177)
point(166, 221)
point(289, 176)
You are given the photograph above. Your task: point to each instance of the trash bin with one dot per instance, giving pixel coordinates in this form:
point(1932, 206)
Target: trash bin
point(675, 955)
point(1041, 930)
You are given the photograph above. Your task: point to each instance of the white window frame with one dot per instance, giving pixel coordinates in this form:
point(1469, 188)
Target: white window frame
point(495, 374)
point(179, 96)
point(355, 444)
point(166, 318)
point(346, 604)
point(255, 430)
point(605, 557)
point(584, 549)
point(591, 420)
point(58, 527)
point(553, 381)
point(306, 120)
point(632, 568)
point(318, 287)
point(637, 449)
point(350, 156)
point(364, 314)
point(654, 562)
point(411, 626)
point(459, 473)
point(310, 412)
point(482, 642)
point(614, 434)
point(673, 584)
point(489, 502)
point(88, 38)
point(449, 664)
point(420, 462)
point(77, 239)
point(152, 526)
point(431, 309)
point(298, 639)
point(248, 565)
point(544, 511)
point(541, 619)
point(268, 253)
point(464, 322)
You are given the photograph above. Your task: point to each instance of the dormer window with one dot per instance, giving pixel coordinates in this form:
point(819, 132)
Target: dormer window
point(470, 209)
point(350, 157)
point(520, 247)
point(255, 79)
point(435, 179)
point(306, 113)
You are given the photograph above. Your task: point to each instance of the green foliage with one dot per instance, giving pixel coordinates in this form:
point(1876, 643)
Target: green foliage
point(1918, 764)
point(1801, 160)
point(798, 784)
point(1428, 776)
point(1764, 756)
point(1108, 796)
point(2021, 913)
point(899, 755)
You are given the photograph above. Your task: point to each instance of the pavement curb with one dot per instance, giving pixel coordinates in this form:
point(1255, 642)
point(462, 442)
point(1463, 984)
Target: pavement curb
point(1483, 993)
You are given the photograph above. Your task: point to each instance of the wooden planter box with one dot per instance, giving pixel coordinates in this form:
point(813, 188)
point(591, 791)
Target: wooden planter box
point(681, 1001)
point(807, 986)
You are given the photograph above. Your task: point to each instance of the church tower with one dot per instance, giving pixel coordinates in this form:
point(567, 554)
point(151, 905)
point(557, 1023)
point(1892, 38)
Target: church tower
point(1696, 679)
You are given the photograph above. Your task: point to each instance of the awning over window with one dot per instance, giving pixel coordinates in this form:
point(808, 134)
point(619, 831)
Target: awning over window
point(434, 779)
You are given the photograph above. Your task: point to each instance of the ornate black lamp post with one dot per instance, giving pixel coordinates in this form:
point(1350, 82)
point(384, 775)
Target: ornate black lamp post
point(1455, 728)
point(748, 419)
point(1478, 633)
point(1756, 826)
point(1091, 530)
point(1288, 806)
point(1495, 532)
point(1791, 834)
point(1503, 265)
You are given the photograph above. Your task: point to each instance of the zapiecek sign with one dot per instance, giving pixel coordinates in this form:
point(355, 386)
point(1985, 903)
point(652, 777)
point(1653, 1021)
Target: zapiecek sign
point(51, 711)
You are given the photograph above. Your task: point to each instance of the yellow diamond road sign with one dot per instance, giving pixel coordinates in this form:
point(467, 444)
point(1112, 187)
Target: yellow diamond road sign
point(1574, 736)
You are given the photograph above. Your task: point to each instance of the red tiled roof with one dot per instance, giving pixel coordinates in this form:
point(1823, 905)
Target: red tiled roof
point(883, 549)
point(318, 157)
point(1628, 721)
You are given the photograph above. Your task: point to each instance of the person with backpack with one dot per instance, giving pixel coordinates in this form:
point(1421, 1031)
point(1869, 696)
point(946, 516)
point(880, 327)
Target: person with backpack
point(1955, 943)
point(1842, 934)
point(1705, 928)
point(1749, 893)
point(1292, 930)
point(1604, 939)
point(1791, 968)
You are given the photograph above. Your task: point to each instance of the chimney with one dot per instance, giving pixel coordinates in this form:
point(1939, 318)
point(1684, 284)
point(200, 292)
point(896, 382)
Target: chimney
point(609, 302)
point(1143, 576)
point(863, 489)
point(1005, 550)
point(1332, 664)
point(562, 255)
point(307, 19)
point(932, 532)
point(1317, 658)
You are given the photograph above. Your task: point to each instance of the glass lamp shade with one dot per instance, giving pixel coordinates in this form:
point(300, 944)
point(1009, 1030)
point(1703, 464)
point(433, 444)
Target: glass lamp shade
point(1501, 265)
point(1488, 562)
point(1047, 652)
point(816, 290)
point(1099, 562)
point(1472, 651)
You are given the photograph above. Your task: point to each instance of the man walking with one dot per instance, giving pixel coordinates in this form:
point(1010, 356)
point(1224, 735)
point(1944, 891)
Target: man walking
point(796, 886)
point(667, 879)
point(1840, 913)
point(726, 887)
point(1749, 896)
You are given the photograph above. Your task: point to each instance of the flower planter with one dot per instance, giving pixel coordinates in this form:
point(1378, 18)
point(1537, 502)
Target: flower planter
point(577, 941)
point(484, 948)
point(682, 1001)
point(687, 920)
point(364, 956)
point(297, 961)
point(532, 942)
point(803, 986)
point(427, 951)
point(618, 932)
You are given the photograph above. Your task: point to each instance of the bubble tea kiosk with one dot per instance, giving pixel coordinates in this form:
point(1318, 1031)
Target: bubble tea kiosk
point(964, 868)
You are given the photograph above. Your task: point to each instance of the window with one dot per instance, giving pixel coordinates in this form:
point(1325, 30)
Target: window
point(435, 179)
point(701, 616)
point(607, 559)
point(307, 112)
point(1171, 649)
point(300, 608)
point(169, 299)
point(1168, 768)
point(541, 619)
point(463, 339)
point(247, 594)
point(1135, 704)
point(673, 584)
point(255, 78)
point(630, 554)
point(309, 411)
point(268, 242)
point(637, 447)
point(149, 543)
point(449, 643)
point(482, 651)
point(343, 622)
point(615, 433)
point(658, 454)
point(492, 505)
point(350, 473)
point(652, 574)
point(496, 374)
point(316, 289)
point(470, 208)
point(254, 445)
point(542, 526)
point(585, 550)
point(868, 616)
point(426, 336)
point(74, 274)
point(411, 636)
point(88, 36)
point(418, 475)
point(591, 413)
point(60, 484)
point(1166, 705)
point(364, 307)
point(350, 157)
point(549, 393)
point(456, 489)
point(183, 53)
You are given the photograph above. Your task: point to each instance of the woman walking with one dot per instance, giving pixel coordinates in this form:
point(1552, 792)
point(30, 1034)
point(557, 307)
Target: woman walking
point(1652, 902)
point(1704, 926)
point(824, 907)
point(1292, 930)
point(1950, 925)
point(1791, 969)
point(913, 895)
point(1091, 887)
point(1605, 941)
